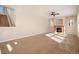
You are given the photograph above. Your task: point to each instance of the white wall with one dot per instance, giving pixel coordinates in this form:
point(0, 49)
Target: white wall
point(32, 20)
point(29, 21)
point(78, 25)
point(78, 22)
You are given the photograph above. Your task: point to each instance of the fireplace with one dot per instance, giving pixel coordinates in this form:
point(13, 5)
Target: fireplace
point(58, 29)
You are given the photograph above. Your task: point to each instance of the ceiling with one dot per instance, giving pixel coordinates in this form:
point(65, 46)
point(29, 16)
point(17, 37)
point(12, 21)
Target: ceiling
point(63, 10)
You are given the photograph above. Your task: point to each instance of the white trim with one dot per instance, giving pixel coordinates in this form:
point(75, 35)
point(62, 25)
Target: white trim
point(13, 38)
point(19, 37)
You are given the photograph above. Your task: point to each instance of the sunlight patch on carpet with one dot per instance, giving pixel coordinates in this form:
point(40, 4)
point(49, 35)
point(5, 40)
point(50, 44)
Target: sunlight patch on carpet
point(56, 37)
point(9, 47)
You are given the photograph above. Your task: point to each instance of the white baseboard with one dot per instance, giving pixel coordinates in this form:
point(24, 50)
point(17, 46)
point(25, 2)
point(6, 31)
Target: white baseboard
point(13, 38)
point(18, 37)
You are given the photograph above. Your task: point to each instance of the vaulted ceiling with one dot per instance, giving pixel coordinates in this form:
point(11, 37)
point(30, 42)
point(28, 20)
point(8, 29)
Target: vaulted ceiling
point(63, 10)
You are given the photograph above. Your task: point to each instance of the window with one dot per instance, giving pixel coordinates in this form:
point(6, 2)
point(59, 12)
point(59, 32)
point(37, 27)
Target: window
point(1, 9)
point(7, 16)
point(71, 21)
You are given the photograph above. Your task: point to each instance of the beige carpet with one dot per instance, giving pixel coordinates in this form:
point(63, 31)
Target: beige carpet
point(41, 44)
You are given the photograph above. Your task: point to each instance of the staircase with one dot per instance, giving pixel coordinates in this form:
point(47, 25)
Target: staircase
point(4, 21)
point(7, 19)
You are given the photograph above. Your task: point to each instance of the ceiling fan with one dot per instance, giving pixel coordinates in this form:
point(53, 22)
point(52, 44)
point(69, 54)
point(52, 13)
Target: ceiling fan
point(53, 13)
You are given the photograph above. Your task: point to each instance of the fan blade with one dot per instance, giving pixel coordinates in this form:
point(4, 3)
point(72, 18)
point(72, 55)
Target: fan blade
point(57, 14)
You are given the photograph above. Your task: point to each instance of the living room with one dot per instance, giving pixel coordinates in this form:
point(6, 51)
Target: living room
point(51, 22)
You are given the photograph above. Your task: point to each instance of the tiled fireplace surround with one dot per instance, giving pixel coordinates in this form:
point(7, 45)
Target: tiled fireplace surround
point(54, 28)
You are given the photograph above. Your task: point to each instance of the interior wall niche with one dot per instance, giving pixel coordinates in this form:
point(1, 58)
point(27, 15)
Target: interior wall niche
point(7, 18)
point(57, 26)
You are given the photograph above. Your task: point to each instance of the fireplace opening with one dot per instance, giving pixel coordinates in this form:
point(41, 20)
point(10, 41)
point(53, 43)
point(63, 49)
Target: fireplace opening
point(59, 29)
